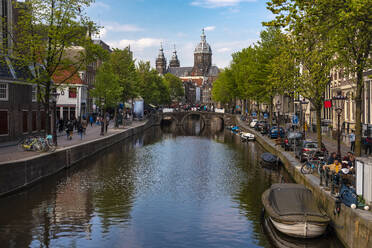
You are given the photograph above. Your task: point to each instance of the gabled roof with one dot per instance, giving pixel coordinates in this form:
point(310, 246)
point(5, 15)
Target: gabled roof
point(11, 69)
point(180, 71)
point(61, 75)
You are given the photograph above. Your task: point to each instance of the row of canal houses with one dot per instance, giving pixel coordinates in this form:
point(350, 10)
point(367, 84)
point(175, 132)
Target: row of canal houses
point(20, 112)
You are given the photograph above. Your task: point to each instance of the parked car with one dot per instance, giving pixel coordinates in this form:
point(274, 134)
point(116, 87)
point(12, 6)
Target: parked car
point(274, 133)
point(308, 147)
point(292, 140)
point(258, 125)
point(253, 123)
point(264, 128)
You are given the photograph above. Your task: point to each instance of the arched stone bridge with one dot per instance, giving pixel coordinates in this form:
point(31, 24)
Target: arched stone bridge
point(206, 117)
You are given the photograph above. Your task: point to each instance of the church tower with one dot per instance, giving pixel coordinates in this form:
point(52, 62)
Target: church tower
point(161, 62)
point(174, 62)
point(202, 57)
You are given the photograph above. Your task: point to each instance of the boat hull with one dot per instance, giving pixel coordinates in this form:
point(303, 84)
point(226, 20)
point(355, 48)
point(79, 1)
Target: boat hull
point(300, 229)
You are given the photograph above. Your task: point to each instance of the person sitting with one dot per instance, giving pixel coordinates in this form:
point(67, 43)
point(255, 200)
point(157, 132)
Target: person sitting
point(336, 166)
point(332, 158)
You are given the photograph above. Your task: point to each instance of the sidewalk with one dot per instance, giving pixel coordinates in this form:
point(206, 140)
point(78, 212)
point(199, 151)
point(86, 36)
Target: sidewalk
point(329, 142)
point(12, 152)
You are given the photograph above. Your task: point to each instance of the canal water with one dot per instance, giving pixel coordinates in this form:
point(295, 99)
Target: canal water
point(168, 187)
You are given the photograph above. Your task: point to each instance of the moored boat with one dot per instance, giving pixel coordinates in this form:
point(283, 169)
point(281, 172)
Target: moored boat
point(269, 160)
point(293, 210)
point(247, 136)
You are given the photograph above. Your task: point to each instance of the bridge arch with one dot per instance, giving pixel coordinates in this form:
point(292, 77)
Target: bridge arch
point(169, 117)
point(202, 117)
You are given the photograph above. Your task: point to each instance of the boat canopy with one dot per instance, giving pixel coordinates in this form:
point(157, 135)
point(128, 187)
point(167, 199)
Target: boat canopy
point(293, 199)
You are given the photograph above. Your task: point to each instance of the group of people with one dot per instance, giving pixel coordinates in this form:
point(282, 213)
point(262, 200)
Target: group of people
point(342, 170)
point(69, 126)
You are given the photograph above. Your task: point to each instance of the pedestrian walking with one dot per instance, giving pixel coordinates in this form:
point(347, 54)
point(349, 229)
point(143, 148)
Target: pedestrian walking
point(84, 124)
point(102, 123)
point(352, 140)
point(70, 130)
point(91, 120)
point(107, 121)
point(80, 130)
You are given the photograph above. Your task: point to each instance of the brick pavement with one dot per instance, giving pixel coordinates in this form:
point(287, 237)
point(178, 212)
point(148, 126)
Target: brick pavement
point(329, 142)
point(11, 153)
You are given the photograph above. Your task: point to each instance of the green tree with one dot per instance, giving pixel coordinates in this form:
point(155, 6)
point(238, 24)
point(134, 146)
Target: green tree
point(107, 90)
point(123, 66)
point(224, 88)
point(310, 48)
point(53, 33)
point(153, 88)
point(349, 25)
point(175, 87)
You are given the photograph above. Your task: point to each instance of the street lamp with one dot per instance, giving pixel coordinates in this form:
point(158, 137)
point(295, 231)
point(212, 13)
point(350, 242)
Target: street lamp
point(338, 102)
point(54, 97)
point(303, 113)
point(102, 116)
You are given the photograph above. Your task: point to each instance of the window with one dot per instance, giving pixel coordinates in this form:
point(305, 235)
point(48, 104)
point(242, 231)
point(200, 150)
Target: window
point(25, 121)
point(34, 93)
point(43, 119)
point(72, 92)
point(3, 122)
point(4, 91)
point(34, 117)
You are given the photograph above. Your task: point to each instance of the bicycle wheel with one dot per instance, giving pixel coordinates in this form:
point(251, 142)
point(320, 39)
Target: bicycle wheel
point(306, 168)
point(21, 146)
point(51, 146)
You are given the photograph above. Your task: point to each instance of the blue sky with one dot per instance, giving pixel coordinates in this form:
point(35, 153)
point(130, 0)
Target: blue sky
point(230, 26)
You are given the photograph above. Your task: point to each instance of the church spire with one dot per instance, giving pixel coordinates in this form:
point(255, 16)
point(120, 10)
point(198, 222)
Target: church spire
point(161, 62)
point(174, 62)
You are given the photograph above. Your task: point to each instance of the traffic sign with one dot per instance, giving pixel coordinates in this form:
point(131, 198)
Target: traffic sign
point(295, 120)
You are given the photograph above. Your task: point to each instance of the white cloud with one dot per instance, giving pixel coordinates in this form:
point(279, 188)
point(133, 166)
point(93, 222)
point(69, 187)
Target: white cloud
point(100, 5)
point(118, 27)
point(210, 28)
point(136, 45)
point(218, 3)
point(223, 49)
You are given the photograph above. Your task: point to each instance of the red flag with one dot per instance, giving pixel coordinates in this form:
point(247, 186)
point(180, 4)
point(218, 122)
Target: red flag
point(327, 104)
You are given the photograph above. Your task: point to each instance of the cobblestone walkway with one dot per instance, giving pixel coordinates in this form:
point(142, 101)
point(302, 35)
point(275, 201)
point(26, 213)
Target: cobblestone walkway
point(10, 153)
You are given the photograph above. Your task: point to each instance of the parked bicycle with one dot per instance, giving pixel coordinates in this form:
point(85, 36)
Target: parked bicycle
point(314, 163)
point(38, 144)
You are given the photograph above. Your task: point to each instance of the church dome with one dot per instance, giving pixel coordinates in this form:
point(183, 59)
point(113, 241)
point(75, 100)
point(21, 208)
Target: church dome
point(203, 46)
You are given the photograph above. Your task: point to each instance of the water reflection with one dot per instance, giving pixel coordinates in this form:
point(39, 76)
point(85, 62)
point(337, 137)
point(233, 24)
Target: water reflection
point(164, 188)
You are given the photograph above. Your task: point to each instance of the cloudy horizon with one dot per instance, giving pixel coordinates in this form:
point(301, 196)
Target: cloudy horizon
point(230, 25)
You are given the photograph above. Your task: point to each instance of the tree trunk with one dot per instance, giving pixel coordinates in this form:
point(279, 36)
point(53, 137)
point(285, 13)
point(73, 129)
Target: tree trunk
point(47, 109)
point(318, 124)
point(358, 114)
point(116, 117)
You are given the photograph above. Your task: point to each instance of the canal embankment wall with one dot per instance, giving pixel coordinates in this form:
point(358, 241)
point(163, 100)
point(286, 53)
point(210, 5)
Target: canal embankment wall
point(16, 175)
point(352, 226)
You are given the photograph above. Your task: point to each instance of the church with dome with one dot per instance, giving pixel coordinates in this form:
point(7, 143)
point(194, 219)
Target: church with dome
point(198, 79)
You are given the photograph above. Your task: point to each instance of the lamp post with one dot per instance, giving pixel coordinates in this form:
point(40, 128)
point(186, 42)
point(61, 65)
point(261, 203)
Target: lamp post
point(54, 97)
point(277, 106)
point(102, 116)
point(303, 113)
point(338, 102)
